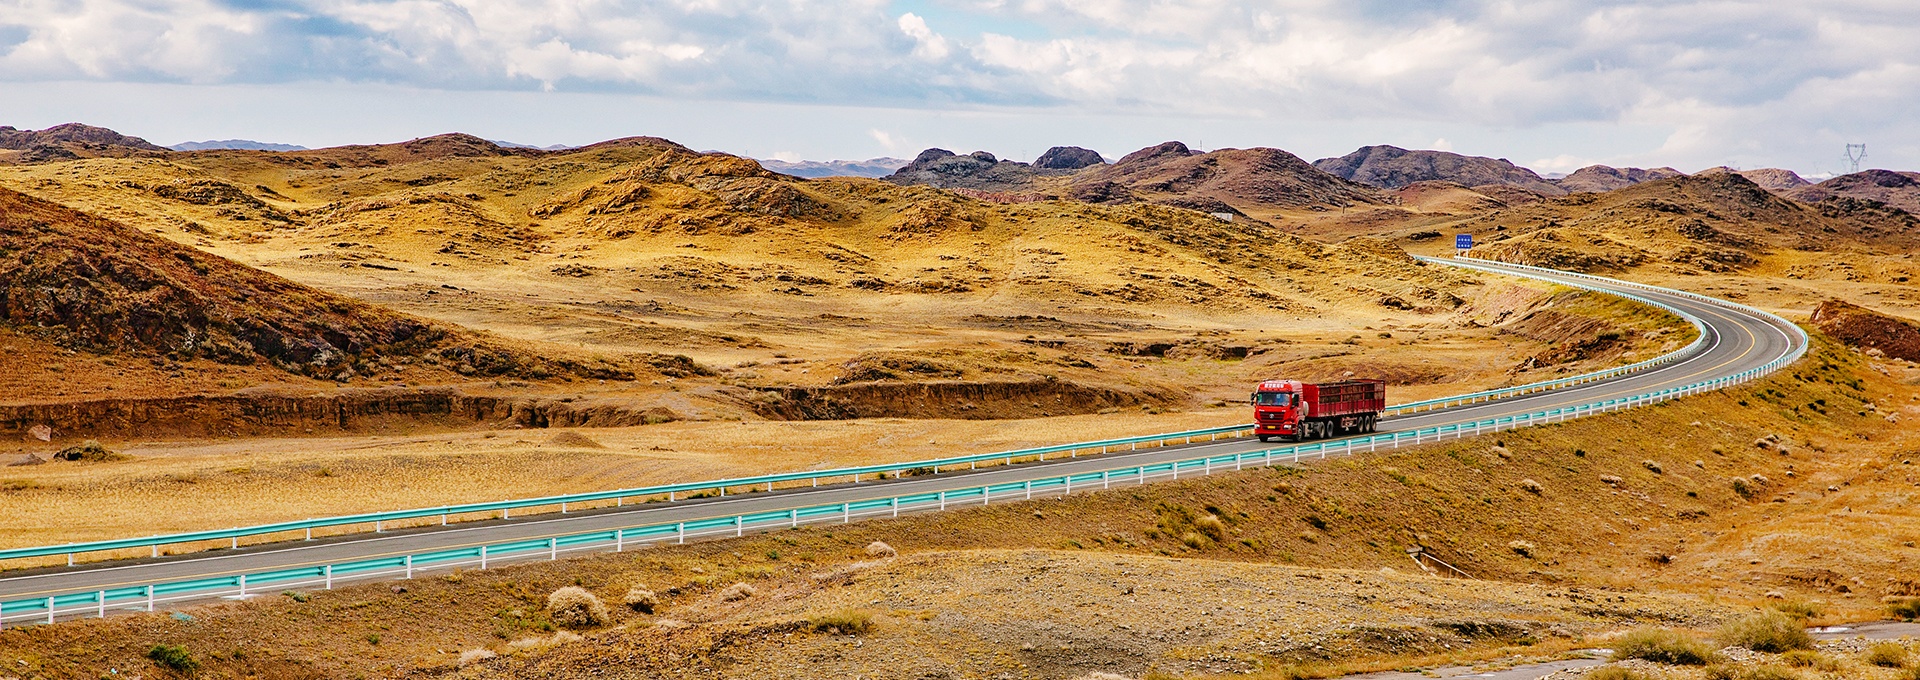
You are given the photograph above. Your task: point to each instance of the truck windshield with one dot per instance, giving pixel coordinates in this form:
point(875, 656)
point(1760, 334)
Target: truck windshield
point(1271, 398)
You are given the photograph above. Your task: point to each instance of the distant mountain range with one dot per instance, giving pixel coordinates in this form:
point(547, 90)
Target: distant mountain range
point(1226, 180)
point(240, 144)
point(517, 145)
point(872, 167)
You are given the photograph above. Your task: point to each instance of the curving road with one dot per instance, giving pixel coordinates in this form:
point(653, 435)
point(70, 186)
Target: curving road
point(1736, 340)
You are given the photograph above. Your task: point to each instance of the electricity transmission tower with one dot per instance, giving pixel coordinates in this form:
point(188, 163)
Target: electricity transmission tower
point(1855, 152)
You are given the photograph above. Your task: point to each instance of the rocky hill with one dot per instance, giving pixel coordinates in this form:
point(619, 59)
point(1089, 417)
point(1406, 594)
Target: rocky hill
point(68, 141)
point(979, 171)
point(1225, 180)
point(1391, 167)
point(1897, 189)
point(1237, 181)
point(1601, 178)
point(92, 284)
point(1775, 179)
point(1713, 222)
point(75, 133)
point(652, 222)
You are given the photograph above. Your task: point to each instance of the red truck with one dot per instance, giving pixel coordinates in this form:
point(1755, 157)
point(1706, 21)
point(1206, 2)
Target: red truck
point(1290, 408)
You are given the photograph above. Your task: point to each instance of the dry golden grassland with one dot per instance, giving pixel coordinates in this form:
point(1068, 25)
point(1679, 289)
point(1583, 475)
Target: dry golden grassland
point(181, 486)
point(643, 248)
point(198, 485)
point(1600, 540)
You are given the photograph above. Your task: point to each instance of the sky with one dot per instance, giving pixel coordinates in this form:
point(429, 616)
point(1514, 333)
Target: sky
point(1550, 84)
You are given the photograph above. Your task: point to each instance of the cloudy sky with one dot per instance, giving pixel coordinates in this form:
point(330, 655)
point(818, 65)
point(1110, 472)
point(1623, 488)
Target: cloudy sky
point(1551, 84)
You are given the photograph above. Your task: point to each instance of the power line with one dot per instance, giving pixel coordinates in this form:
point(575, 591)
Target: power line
point(1855, 152)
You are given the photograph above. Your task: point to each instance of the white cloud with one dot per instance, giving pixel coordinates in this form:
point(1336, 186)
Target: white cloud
point(927, 44)
point(1730, 79)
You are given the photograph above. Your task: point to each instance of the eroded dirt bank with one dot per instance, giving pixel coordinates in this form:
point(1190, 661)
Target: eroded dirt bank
point(258, 413)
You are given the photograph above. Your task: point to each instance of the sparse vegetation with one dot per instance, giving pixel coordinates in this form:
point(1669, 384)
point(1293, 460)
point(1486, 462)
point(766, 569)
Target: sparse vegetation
point(842, 622)
point(576, 607)
point(1807, 658)
point(738, 592)
point(1887, 655)
point(640, 599)
point(474, 656)
point(1905, 609)
point(174, 658)
point(1750, 673)
point(1662, 645)
point(1614, 673)
point(90, 451)
point(1770, 631)
point(1803, 609)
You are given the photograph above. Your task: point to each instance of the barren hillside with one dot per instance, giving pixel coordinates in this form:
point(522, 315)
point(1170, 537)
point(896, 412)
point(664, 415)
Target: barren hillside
point(1601, 178)
point(1260, 182)
point(1391, 167)
point(1713, 222)
point(1895, 189)
point(86, 283)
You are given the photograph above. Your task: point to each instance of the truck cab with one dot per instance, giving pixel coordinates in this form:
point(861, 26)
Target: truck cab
point(1278, 408)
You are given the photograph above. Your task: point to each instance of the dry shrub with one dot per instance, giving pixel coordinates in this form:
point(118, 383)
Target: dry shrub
point(90, 451)
point(540, 644)
point(880, 549)
point(474, 656)
point(1194, 540)
point(1807, 658)
point(1522, 548)
point(1799, 608)
point(1887, 654)
point(574, 607)
point(639, 599)
point(1904, 609)
point(1661, 645)
point(1771, 632)
point(842, 622)
point(737, 592)
point(574, 440)
point(1614, 673)
point(1759, 673)
point(1211, 526)
point(174, 657)
point(843, 574)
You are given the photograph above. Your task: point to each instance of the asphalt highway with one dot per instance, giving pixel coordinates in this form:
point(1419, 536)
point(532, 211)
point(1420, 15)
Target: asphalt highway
point(1735, 341)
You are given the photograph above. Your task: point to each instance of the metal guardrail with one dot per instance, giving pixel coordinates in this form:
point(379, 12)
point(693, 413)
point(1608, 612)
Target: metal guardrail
point(380, 520)
point(1698, 345)
point(148, 597)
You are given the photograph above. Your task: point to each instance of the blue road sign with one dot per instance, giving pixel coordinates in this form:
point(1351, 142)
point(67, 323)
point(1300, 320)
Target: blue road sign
point(1463, 241)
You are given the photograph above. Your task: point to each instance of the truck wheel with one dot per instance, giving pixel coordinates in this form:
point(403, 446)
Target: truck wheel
point(1264, 438)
